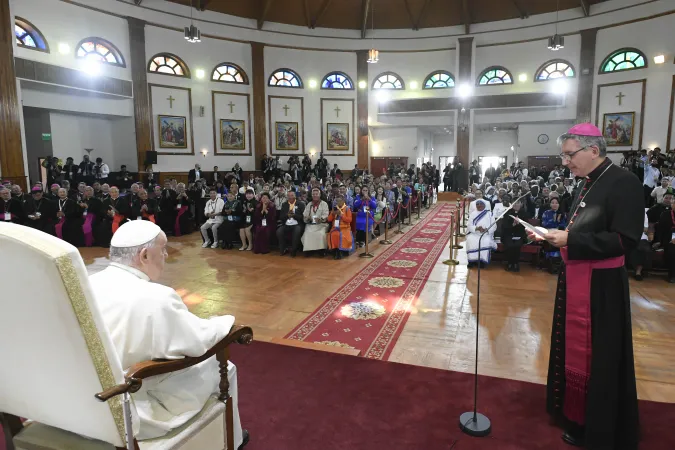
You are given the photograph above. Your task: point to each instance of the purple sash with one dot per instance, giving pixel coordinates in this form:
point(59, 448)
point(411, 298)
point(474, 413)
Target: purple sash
point(87, 229)
point(59, 227)
point(176, 227)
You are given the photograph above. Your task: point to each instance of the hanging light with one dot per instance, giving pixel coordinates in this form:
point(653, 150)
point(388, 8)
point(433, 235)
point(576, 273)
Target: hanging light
point(373, 53)
point(192, 33)
point(556, 42)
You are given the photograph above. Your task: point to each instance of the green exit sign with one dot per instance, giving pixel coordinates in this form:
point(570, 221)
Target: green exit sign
point(46, 136)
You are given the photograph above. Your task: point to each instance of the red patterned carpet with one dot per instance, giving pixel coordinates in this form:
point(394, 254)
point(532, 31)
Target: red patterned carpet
point(369, 311)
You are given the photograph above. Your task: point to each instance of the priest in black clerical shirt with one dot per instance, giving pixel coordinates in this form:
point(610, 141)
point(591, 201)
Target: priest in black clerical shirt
point(591, 378)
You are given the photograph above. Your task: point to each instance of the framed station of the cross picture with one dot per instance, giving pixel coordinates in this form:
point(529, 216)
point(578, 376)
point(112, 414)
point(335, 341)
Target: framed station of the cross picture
point(286, 135)
point(172, 131)
point(232, 134)
point(337, 136)
point(617, 128)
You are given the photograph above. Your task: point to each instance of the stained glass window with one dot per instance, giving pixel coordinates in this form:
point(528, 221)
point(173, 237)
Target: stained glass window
point(439, 80)
point(388, 80)
point(495, 75)
point(285, 78)
point(28, 36)
point(556, 68)
point(624, 59)
point(100, 50)
point(169, 64)
point(229, 73)
point(337, 80)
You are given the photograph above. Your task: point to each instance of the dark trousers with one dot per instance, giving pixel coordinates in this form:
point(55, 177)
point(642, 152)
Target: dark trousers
point(512, 250)
point(648, 196)
point(641, 256)
point(670, 259)
point(296, 234)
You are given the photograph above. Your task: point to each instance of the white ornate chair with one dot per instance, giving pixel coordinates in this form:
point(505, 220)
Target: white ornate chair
point(58, 365)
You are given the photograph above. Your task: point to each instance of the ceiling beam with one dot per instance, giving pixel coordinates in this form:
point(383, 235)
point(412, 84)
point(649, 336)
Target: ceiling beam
point(585, 7)
point(521, 10)
point(263, 13)
point(413, 24)
point(466, 16)
point(324, 7)
point(421, 16)
point(364, 17)
point(308, 18)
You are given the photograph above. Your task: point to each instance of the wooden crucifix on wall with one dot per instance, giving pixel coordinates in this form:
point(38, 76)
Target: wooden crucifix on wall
point(337, 111)
point(231, 105)
point(286, 108)
point(171, 100)
point(620, 97)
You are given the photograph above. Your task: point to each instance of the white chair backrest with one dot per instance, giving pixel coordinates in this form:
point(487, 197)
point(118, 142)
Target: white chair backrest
point(55, 352)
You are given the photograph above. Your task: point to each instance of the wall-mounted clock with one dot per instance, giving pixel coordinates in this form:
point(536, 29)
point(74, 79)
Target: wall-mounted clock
point(542, 139)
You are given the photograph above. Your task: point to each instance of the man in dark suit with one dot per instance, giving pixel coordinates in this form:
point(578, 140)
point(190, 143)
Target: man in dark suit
point(291, 218)
point(195, 174)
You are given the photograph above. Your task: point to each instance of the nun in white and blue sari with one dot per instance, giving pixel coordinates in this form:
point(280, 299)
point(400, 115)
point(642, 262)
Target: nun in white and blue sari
point(479, 221)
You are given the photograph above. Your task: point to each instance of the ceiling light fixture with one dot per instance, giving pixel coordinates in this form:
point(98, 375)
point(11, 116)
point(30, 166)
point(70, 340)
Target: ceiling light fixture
point(363, 84)
point(200, 74)
point(64, 48)
point(464, 90)
point(192, 33)
point(522, 77)
point(312, 84)
point(556, 42)
point(373, 53)
point(413, 85)
point(659, 59)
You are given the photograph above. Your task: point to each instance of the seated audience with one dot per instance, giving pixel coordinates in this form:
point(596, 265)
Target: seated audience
point(214, 218)
point(553, 219)
point(513, 236)
point(41, 212)
point(340, 238)
point(315, 216)
point(264, 224)
point(640, 257)
point(10, 208)
point(231, 213)
point(480, 221)
point(69, 215)
point(292, 221)
point(115, 212)
point(247, 211)
point(364, 206)
point(92, 209)
point(664, 238)
point(183, 223)
point(147, 207)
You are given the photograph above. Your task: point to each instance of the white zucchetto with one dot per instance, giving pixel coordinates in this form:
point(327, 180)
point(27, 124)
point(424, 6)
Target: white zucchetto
point(135, 233)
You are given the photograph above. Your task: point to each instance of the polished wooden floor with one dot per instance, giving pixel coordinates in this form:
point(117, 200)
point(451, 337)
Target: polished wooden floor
point(273, 294)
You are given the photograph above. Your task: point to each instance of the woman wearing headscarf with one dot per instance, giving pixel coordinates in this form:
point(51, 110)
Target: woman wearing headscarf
point(480, 221)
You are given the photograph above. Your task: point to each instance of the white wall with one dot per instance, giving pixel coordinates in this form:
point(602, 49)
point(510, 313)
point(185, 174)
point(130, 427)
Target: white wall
point(444, 145)
point(494, 143)
point(528, 144)
point(395, 142)
point(122, 107)
point(110, 139)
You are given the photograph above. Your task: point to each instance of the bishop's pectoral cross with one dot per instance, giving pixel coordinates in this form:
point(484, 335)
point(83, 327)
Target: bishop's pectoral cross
point(337, 111)
point(620, 97)
point(285, 108)
point(231, 105)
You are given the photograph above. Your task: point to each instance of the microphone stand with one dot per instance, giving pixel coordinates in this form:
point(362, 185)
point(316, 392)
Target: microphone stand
point(474, 423)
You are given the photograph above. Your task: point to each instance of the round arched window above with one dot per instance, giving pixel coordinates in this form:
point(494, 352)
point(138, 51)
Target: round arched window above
point(439, 80)
point(285, 78)
point(98, 49)
point(28, 36)
point(388, 80)
point(495, 75)
point(624, 59)
point(337, 80)
point(556, 68)
point(229, 73)
point(168, 64)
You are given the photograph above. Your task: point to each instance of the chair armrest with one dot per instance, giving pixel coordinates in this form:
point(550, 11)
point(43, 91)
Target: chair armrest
point(135, 375)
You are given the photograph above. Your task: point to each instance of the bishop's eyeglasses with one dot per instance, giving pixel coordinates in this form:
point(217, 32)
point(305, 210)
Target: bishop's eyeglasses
point(569, 156)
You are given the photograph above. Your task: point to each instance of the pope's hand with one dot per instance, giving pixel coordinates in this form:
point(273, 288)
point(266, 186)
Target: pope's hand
point(557, 238)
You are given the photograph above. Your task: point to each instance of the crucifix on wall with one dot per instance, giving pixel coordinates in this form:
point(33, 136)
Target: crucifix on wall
point(171, 100)
point(337, 111)
point(620, 97)
point(231, 105)
point(286, 108)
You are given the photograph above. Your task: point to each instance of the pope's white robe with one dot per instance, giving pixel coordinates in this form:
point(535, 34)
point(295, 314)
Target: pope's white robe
point(487, 243)
point(314, 236)
point(149, 321)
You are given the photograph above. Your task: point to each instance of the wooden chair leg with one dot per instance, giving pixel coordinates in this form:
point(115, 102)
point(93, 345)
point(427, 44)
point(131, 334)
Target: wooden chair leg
point(223, 357)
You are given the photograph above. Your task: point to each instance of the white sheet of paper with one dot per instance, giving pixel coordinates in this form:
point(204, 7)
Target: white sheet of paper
point(264, 222)
point(8, 216)
point(337, 223)
point(539, 231)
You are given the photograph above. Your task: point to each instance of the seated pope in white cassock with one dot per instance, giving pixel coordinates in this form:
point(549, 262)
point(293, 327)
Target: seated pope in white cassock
point(148, 321)
point(480, 221)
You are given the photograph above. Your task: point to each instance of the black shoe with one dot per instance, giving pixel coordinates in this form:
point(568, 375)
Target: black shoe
point(639, 277)
point(516, 267)
point(293, 253)
point(509, 268)
point(573, 440)
point(672, 280)
point(283, 252)
point(335, 255)
point(245, 440)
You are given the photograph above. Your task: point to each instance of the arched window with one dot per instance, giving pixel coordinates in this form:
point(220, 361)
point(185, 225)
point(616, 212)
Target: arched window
point(388, 80)
point(28, 36)
point(229, 73)
point(168, 64)
point(285, 78)
point(624, 59)
point(99, 50)
point(439, 80)
point(495, 75)
point(556, 68)
point(337, 80)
